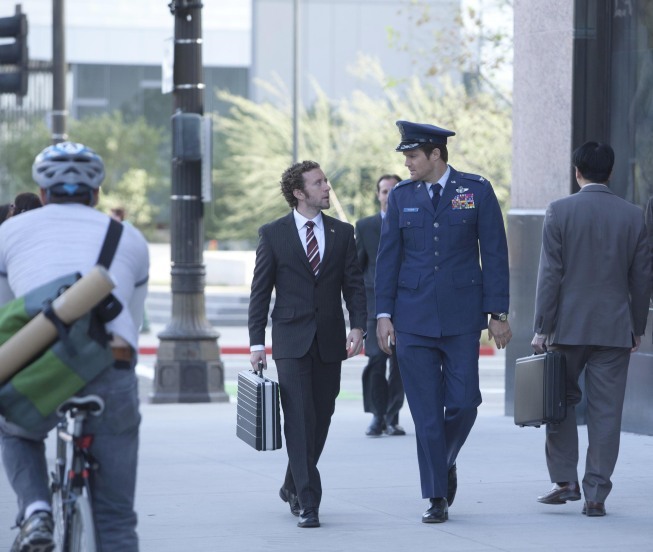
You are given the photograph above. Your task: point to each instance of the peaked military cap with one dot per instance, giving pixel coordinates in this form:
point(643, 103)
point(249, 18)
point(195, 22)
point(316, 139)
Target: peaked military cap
point(415, 135)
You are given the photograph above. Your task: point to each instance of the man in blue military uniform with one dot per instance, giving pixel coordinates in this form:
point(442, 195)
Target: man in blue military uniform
point(433, 299)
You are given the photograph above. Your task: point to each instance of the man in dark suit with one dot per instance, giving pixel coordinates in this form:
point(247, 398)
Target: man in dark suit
point(592, 301)
point(309, 259)
point(433, 299)
point(382, 397)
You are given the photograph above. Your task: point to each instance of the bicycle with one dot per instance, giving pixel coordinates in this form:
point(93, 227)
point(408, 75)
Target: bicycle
point(74, 530)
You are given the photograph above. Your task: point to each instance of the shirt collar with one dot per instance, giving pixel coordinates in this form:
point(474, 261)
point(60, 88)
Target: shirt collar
point(443, 179)
point(300, 220)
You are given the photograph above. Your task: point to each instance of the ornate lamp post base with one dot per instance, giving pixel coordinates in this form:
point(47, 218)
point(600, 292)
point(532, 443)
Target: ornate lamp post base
point(188, 371)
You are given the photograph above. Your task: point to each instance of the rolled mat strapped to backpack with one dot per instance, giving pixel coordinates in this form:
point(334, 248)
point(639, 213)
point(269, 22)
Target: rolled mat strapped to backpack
point(78, 351)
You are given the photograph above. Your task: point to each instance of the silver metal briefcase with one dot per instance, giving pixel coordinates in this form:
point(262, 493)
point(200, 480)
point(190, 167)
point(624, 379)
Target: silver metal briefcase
point(258, 412)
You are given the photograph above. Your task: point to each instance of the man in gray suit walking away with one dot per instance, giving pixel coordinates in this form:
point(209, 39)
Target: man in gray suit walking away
point(309, 259)
point(591, 304)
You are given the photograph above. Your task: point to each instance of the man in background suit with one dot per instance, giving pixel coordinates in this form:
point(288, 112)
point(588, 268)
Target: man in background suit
point(383, 397)
point(591, 304)
point(309, 259)
point(430, 287)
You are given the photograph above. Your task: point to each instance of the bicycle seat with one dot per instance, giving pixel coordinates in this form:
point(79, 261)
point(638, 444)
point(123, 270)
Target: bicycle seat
point(92, 404)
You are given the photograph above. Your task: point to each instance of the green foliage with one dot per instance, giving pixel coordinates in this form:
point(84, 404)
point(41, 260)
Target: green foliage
point(353, 140)
point(135, 168)
point(16, 158)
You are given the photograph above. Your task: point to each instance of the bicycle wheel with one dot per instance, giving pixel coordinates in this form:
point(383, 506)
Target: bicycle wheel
point(59, 519)
point(82, 530)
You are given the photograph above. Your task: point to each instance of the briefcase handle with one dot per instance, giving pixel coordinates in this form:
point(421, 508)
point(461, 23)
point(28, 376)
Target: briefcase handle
point(259, 365)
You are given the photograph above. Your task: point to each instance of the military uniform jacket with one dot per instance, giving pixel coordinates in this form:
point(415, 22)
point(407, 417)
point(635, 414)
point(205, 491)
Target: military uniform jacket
point(306, 306)
point(428, 270)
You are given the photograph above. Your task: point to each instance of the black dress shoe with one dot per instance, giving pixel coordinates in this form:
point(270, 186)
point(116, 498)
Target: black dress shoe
point(291, 499)
point(308, 518)
point(561, 493)
point(394, 429)
point(593, 509)
point(452, 484)
point(438, 512)
point(375, 429)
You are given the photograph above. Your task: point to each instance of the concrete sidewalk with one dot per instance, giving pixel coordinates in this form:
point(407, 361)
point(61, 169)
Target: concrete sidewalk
point(201, 488)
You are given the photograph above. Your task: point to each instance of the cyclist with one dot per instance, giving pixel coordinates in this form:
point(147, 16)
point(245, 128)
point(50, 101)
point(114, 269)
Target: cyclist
point(62, 237)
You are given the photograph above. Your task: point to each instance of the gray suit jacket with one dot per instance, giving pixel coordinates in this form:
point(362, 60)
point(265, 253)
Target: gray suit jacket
point(306, 306)
point(594, 279)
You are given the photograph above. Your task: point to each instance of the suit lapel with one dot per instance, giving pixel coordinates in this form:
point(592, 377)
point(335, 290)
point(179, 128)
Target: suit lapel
point(295, 241)
point(422, 197)
point(376, 227)
point(329, 238)
point(449, 192)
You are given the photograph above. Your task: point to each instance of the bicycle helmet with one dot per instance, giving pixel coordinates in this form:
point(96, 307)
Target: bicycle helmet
point(67, 166)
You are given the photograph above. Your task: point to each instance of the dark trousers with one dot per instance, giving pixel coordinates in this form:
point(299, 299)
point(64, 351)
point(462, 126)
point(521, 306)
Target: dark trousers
point(440, 376)
point(308, 388)
point(383, 397)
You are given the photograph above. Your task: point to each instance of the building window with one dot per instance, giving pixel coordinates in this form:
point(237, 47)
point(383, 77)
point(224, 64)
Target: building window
point(613, 88)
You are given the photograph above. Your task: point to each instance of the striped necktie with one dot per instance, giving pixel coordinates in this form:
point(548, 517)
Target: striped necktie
point(312, 250)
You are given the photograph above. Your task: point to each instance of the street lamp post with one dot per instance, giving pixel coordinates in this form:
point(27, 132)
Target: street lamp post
point(188, 366)
point(59, 112)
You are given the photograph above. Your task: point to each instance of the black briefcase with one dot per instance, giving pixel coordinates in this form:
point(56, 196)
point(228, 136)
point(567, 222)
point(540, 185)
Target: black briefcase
point(258, 417)
point(540, 389)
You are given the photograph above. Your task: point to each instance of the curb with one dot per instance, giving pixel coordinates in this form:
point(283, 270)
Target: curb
point(486, 350)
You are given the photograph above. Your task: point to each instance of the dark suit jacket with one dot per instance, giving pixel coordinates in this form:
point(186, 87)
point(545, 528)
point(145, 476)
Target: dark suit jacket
point(306, 306)
point(368, 234)
point(594, 279)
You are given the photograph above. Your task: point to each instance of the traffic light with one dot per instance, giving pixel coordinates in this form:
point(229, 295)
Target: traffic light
point(13, 55)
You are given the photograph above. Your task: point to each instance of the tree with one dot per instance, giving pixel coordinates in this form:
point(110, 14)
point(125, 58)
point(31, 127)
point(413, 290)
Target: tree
point(353, 140)
point(461, 82)
point(132, 153)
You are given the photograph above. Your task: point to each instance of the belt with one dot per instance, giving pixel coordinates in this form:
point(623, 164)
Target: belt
point(122, 353)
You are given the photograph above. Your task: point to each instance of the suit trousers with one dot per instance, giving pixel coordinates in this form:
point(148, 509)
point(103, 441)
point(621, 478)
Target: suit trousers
point(606, 371)
point(308, 388)
point(383, 396)
point(440, 376)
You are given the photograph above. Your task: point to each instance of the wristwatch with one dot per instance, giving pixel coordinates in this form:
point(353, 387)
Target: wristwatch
point(501, 316)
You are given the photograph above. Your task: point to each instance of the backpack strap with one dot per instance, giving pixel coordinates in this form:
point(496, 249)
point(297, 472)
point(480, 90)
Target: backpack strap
point(110, 243)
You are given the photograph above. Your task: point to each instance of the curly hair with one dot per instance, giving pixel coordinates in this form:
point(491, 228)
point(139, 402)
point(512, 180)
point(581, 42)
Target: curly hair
point(293, 179)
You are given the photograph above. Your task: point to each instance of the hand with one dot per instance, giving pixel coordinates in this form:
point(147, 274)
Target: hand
point(500, 332)
point(385, 334)
point(539, 343)
point(638, 340)
point(256, 357)
point(354, 342)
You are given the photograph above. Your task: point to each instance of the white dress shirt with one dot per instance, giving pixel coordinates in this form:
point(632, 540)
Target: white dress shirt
point(318, 230)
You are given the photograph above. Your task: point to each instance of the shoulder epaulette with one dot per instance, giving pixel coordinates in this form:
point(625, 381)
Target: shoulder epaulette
point(474, 177)
point(403, 183)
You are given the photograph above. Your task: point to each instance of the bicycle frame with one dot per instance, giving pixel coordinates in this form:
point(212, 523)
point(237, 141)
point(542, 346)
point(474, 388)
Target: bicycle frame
point(70, 479)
